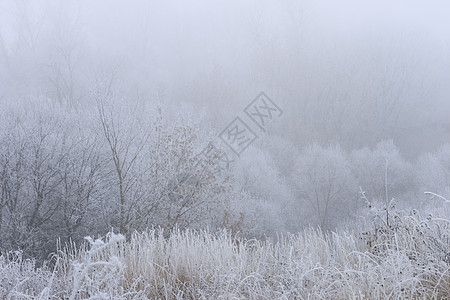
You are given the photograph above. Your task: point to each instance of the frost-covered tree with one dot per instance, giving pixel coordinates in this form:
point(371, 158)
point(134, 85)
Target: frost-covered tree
point(382, 172)
point(49, 179)
point(125, 145)
point(265, 194)
point(324, 185)
point(154, 171)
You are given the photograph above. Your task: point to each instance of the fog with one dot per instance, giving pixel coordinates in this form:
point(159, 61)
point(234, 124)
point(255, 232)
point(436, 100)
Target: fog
point(105, 107)
point(310, 55)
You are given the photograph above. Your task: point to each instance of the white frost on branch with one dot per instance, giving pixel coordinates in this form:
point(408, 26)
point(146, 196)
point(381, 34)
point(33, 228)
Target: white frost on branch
point(434, 195)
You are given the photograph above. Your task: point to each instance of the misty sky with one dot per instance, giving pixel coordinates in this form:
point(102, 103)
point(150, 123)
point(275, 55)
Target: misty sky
point(219, 54)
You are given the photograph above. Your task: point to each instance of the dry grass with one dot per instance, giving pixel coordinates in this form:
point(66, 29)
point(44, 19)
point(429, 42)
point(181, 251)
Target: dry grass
point(408, 261)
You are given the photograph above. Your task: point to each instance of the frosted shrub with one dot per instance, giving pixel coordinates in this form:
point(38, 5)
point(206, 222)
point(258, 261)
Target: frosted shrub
point(95, 271)
point(20, 279)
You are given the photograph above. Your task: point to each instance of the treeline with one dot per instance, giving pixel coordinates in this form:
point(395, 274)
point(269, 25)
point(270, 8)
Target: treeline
point(67, 173)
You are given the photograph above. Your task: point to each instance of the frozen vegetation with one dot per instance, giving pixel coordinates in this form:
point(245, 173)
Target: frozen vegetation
point(201, 149)
point(410, 259)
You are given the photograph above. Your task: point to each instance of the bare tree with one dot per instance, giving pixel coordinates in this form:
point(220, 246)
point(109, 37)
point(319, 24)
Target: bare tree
point(126, 146)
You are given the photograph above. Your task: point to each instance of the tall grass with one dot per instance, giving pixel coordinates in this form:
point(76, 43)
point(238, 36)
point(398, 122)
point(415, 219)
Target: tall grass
point(410, 260)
